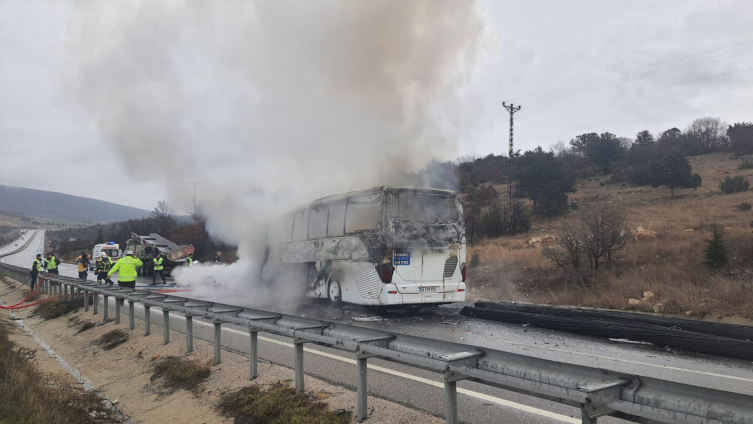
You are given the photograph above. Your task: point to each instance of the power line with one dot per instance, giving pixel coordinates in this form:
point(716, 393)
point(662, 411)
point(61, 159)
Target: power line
point(489, 111)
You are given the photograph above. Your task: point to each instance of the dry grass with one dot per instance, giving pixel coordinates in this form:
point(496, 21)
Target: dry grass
point(112, 339)
point(30, 396)
point(56, 307)
point(671, 265)
point(173, 373)
point(278, 404)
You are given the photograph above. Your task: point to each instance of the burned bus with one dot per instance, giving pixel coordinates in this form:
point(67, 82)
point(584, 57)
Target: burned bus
point(382, 246)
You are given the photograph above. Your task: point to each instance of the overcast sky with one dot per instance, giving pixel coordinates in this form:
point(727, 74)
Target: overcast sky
point(574, 66)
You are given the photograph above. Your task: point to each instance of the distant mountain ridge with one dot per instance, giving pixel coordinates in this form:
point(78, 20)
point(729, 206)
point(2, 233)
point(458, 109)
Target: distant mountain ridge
point(64, 207)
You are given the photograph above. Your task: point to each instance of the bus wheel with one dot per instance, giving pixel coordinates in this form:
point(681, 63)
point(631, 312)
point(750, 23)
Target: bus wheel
point(334, 292)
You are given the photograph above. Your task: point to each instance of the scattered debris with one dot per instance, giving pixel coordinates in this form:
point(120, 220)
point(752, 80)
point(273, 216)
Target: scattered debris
point(630, 341)
point(632, 301)
point(367, 319)
point(644, 234)
point(658, 308)
point(450, 323)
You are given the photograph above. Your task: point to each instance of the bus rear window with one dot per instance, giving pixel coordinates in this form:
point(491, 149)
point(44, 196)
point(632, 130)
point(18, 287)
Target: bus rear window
point(426, 207)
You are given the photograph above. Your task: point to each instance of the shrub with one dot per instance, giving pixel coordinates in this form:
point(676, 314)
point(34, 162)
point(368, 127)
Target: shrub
point(747, 164)
point(735, 184)
point(177, 373)
point(475, 260)
point(744, 207)
point(716, 250)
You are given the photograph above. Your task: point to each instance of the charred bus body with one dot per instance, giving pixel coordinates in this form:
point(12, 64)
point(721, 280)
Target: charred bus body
point(382, 246)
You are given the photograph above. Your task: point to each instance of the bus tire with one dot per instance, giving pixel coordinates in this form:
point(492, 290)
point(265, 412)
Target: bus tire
point(334, 292)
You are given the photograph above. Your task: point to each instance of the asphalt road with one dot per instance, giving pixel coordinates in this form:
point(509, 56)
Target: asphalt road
point(423, 390)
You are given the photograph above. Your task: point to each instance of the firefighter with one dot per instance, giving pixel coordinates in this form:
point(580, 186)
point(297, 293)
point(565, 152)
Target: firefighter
point(126, 267)
point(158, 269)
point(35, 268)
point(218, 258)
point(189, 260)
point(52, 264)
point(104, 263)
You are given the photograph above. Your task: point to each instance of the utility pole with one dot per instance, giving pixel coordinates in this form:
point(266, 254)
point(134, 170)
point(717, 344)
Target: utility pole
point(512, 109)
point(194, 183)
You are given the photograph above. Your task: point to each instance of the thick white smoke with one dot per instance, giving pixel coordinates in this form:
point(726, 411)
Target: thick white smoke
point(299, 98)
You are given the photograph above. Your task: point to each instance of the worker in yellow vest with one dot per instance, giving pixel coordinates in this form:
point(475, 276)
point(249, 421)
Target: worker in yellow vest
point(158, 269)
point(34, 271)
point(189, 260)
point(52, 264)
point(126, 267)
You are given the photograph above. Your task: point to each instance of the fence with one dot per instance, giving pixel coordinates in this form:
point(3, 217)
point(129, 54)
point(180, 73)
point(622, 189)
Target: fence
point(596, 392)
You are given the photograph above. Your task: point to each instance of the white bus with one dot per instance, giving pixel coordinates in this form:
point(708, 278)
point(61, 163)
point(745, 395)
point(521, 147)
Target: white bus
point(382, 246)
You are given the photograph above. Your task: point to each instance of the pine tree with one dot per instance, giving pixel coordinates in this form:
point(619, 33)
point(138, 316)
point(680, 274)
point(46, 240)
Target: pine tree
point(716, 250)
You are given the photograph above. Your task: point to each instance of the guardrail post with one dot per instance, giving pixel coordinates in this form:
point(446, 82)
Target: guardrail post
point(86, 300)
point(189, 333)
point(253, 354)
point(131, 318)
point(118, 303)
point(586, 418)
point(166, 324)
point(105, 307)
point(361, 390)
point(95, 301)
point(65, 290)
point(147, 320)
point(451, 399)
point(299, 387)
point(217, 343)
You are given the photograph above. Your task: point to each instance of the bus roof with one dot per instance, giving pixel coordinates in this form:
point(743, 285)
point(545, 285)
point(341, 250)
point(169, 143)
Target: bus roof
point(343, 196)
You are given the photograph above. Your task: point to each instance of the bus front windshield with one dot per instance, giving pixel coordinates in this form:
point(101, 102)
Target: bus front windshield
point(426, 207)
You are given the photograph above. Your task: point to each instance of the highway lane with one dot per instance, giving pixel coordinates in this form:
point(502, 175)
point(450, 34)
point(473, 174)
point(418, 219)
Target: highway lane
point(477, 403)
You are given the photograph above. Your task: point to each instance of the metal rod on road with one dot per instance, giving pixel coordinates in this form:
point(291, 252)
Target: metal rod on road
point(166, 324)
point(147, 320)
point(253, 355)
point(361, 391)
point(217, 343)
point(189, 333)
point(131, 319)
point(299, 388)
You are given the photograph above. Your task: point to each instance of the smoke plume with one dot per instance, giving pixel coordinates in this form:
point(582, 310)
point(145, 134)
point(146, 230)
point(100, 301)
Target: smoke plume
point(299, 99)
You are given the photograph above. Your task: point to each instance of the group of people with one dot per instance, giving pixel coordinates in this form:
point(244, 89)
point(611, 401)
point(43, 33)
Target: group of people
point(126, 267)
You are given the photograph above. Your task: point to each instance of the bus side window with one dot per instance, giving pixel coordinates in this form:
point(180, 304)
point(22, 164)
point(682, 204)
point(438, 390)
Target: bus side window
point(318, 222)
point(336, 220)
point(363, 213)
point(300, 225)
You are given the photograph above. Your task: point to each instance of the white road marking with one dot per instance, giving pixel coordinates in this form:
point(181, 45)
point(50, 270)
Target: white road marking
point(629, 361)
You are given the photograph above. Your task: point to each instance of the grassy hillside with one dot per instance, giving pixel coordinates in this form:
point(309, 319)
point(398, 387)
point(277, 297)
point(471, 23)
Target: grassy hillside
point(59, 208)
point(669, 264)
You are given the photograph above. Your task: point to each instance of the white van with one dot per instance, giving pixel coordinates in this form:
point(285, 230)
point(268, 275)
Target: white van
point(112, 250)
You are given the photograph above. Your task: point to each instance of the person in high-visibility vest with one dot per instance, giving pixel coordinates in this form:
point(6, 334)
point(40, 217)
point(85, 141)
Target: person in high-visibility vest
point(104, 263)
point(35, 268)
point(189, 260)
point(52, 264)
point(126, 267)
point(158, 269)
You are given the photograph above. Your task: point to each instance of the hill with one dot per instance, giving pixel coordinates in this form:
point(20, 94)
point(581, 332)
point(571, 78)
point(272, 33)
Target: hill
point(63, 208)
point(669, 261)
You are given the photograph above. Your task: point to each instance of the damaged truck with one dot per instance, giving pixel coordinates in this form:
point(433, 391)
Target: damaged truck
point(147, 247)
point(382, 246)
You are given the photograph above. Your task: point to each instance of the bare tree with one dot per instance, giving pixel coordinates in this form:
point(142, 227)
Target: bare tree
point(594, 237)
point(567, 253)
point(559, 148)
point(605, 232)
point(164, 214)
point(710, 134)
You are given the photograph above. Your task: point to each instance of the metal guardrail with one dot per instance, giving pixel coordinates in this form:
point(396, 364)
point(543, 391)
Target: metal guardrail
point(597, 392)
